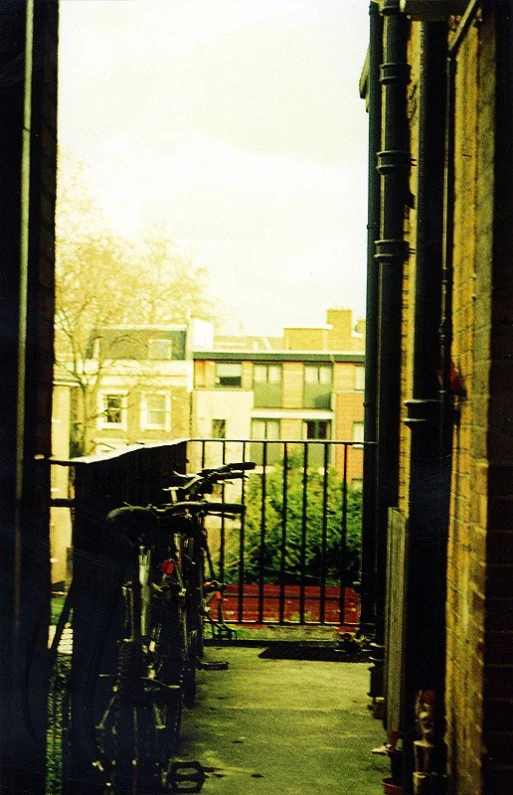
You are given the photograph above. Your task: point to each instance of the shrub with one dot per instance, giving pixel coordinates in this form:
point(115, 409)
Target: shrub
point(322, 539)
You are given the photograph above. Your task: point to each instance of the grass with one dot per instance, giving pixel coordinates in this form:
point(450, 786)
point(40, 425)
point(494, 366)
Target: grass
point(56, 605)
point(58, 682)
point(272, 632)
point(55, 724)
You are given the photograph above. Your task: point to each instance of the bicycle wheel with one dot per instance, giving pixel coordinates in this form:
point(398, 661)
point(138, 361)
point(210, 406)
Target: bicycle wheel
point(167, 667)
point(136, 769)
point(196, 601)
point(194, 616)
point(146, 720)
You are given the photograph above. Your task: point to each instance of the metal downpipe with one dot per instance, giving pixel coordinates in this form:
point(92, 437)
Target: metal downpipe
point(391, 252)
point(428, 508)
point(368, 598)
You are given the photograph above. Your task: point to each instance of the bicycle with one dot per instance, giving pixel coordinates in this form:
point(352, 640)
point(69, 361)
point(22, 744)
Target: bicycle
point(165, 604)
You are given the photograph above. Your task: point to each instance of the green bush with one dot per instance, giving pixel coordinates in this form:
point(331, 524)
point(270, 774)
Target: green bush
point(302, 553)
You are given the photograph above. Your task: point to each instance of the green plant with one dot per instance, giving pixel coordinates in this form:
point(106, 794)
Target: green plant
point(56, 700)
point(307, 513)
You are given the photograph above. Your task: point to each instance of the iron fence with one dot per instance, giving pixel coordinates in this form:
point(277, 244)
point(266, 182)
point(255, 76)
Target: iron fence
point(294, 558)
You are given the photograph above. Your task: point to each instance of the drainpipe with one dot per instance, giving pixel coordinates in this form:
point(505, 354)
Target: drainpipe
point(428, 517)
point(391, 251)
point(424, 656)
point(368, 601)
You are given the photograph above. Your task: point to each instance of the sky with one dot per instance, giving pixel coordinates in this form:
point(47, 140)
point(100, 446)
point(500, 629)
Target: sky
point(236, 126)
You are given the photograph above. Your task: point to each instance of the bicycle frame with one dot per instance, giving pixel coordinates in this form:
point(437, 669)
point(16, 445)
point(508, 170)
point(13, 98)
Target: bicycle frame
point(165, 608)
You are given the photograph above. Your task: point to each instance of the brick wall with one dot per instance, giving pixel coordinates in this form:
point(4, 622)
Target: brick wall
point(479, 613)
point(496, 156)
point(466, 563)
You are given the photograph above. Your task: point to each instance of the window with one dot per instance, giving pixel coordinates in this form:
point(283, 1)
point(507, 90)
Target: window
point(229, 374)
point(218, 429)
point(267, 385)
point(318, 374)
point(359, 378)
point(112, 410)
point(156, 411)
point(317, 429)
point(160, 349)
point(317, 386)
point(267, 431)
point(358, 431)
point(267, 374)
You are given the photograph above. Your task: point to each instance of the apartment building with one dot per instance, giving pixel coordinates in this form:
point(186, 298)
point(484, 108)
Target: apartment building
point(152, 383)
point(136, 385)
point(142, 392)
point(306, 386)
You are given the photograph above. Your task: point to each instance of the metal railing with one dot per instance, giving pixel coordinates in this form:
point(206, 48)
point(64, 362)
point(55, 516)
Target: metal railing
point(295, 556)
point(292, 559)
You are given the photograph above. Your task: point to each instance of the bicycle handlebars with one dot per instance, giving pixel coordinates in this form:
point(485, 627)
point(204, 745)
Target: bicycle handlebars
point(196, 507)
point(209, 476)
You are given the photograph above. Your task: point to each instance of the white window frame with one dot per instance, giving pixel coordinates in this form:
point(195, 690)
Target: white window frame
point(359, 378)
point(268, 423)
point(358, 434)
point(272, 373)
point(226, 366)
point(152, 426)
point(102, 409)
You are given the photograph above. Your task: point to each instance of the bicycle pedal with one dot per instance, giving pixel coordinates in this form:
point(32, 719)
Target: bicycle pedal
point(222, 632)
point(186, 776)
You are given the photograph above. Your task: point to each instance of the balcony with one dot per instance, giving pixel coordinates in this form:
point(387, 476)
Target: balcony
point(291, 561)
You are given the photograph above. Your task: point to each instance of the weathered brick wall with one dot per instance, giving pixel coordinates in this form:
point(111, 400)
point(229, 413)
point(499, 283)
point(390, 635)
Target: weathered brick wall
point(349, 409)
point(466, 564)
point(496, 114)
point(479, 663)
point(408, 297)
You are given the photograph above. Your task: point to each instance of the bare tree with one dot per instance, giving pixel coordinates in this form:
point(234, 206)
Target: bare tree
point(104, 281)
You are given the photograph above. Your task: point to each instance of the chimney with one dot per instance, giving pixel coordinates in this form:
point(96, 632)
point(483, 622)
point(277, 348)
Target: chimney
point(341, 335)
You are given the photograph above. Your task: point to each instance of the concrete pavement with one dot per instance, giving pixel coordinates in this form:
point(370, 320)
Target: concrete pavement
point(283, 726)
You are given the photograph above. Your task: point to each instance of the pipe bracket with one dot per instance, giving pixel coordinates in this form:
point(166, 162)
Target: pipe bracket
point(422, 412)
point(388, 251)
point(394, 73)
point(392, 161)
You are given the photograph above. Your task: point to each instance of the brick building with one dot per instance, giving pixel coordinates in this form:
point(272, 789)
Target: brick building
point(155, 383)
point(308, 385)
point(438, 507)
point(142, 389)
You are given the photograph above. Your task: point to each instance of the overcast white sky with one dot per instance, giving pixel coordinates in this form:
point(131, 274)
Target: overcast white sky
point(238, 126)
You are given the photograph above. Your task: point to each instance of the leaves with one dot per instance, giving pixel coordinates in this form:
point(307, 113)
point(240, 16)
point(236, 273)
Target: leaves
point(103, 280)
point(308, 514)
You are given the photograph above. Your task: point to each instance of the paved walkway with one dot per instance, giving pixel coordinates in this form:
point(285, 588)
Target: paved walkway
point(283, 726)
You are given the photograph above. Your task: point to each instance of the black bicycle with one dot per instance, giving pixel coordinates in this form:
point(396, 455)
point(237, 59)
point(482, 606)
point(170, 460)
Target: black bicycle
point(165, 598)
